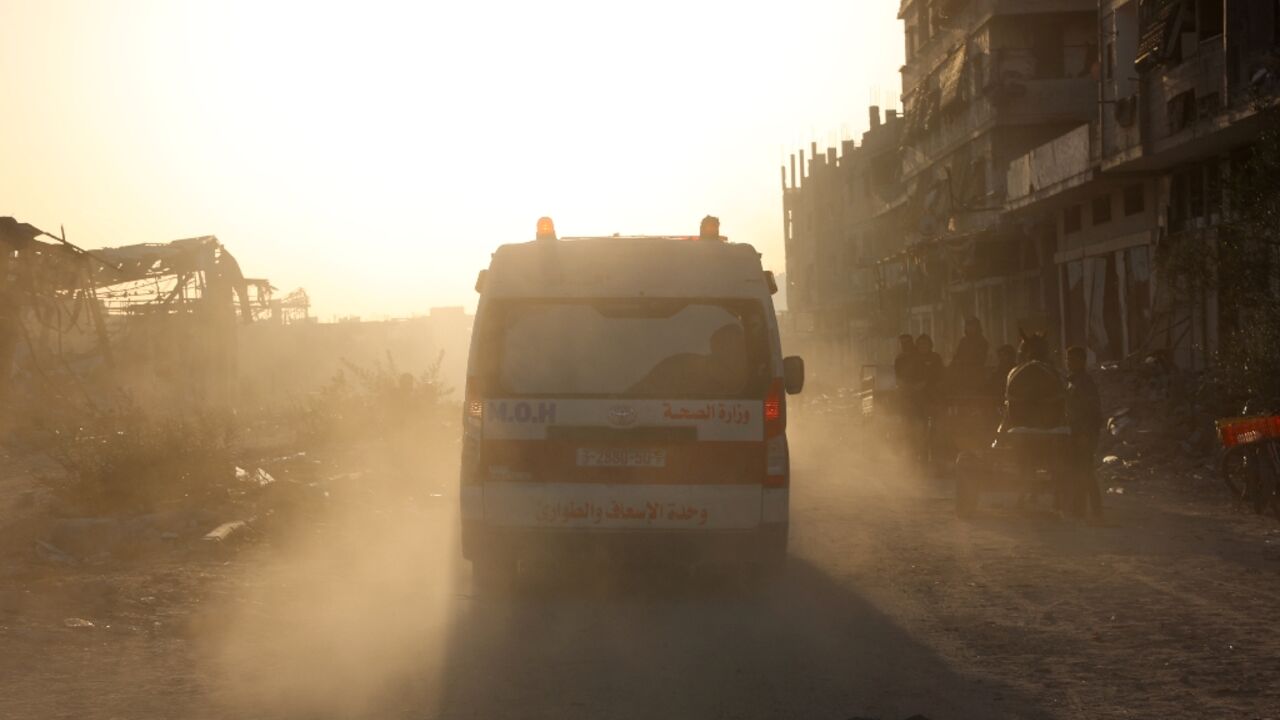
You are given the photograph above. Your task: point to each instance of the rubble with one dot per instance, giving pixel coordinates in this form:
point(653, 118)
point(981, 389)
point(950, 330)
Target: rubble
point(258, 477)
point(1156, 431)
point(51, 553)
point(226, 531)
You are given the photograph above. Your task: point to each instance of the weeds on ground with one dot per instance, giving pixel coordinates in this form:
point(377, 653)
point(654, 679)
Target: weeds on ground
point(128, 460)
point(364, 403)
point(389, 417)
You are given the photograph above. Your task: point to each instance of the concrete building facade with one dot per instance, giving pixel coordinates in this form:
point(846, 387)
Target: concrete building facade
point(1049, 151)
point(1179, 97)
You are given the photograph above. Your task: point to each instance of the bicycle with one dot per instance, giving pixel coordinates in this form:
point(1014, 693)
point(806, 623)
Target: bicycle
point(1250, 460)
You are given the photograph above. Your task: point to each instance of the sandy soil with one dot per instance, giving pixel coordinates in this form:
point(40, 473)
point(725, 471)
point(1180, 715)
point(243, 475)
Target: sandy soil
point(890, 607)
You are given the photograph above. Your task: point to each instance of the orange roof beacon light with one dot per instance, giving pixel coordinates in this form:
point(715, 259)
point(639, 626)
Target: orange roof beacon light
point(546, 229)
point(710, 228)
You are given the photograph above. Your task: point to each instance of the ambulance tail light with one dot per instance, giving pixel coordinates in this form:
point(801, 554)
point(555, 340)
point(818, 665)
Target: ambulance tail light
point(475, 411)
point(472, 432)
point(777, 456)
point(775, 409)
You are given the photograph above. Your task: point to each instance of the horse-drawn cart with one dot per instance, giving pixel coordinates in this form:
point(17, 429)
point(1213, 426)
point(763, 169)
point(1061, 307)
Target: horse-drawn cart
point(1024, 461)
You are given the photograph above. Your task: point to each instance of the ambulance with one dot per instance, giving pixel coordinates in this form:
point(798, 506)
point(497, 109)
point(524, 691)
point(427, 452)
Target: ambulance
point(625, 398)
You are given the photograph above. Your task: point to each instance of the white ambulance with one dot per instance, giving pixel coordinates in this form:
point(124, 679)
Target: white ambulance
point(625, 396)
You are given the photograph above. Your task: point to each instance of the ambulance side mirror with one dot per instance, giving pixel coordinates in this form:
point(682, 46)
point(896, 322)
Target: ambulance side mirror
point(480, 280)
point(793, 374)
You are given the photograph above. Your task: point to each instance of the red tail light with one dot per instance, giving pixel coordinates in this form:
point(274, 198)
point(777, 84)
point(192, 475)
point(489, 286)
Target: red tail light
point(775, 410)
point(472, 429)
point(777, 457)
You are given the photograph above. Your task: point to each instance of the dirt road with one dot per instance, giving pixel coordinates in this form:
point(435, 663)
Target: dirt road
point(890, 607)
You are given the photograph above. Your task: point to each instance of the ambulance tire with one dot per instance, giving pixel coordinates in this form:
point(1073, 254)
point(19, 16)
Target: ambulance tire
point(764, 571)
point(493, 573)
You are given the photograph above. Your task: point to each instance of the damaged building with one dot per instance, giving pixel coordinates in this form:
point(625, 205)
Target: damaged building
point(1180, 91)
point(1047, 152)
point(178, 325)
point(153, 321)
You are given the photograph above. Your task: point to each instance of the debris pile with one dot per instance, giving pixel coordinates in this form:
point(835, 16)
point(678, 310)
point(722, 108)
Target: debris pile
point(1155, 429)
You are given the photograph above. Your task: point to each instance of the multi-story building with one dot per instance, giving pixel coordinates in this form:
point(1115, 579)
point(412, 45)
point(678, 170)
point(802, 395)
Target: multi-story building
point(1179, 96)
point(984, 82)
point(906, 233)
point(1049, 152)
point(841, 214)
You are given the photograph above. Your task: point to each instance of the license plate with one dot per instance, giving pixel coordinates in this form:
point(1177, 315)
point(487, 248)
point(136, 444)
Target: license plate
point(621, 457)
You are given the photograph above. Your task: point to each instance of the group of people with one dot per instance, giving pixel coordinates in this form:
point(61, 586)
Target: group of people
point(920, 371)
point(1028, 389)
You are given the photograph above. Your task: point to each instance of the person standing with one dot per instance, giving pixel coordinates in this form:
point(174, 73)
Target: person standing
point(904, 364)
point(971, 351)
point(1084, 415)
point(929, 383)
point(906, 372)
point(930, 366)
point(969, 363)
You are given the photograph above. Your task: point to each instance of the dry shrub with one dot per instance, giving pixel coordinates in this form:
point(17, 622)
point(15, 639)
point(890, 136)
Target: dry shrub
point(364, 403)
point(389, 417)
point(126, 460)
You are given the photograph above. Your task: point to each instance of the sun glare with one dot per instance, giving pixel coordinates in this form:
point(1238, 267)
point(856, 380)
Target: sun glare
point(376, 153)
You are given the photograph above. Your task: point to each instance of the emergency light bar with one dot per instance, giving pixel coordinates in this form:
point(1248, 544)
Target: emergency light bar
point(546, 229)
point(708, 230)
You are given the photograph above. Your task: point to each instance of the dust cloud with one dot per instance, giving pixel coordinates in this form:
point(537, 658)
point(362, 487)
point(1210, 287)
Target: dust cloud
point(833, 445)
point(350, 612)
point(344, 614)
point(353, 611)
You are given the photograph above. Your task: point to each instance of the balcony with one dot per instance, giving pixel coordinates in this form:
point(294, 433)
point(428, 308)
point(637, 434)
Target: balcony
point(1046, 101)
point(1059, 165)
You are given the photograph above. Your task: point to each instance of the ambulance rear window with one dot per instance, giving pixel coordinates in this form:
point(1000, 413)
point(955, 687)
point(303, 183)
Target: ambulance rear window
point(626, 348)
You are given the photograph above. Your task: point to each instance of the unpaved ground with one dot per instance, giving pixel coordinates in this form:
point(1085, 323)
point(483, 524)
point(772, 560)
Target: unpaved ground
point(890, 607)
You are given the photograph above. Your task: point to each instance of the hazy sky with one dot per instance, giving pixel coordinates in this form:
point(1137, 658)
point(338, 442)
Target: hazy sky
point(377, 152)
